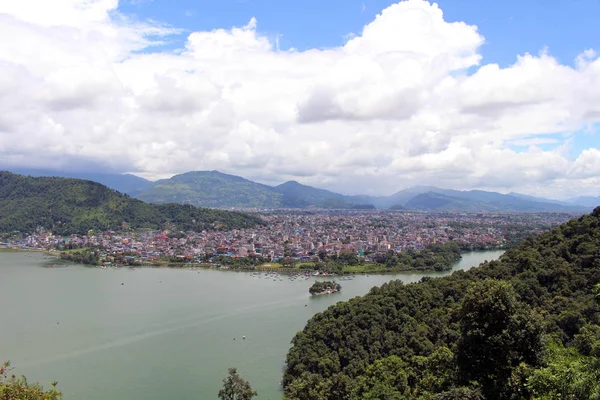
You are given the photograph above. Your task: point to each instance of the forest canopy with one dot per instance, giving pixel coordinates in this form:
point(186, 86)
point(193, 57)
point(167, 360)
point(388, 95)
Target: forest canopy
point(74, 206)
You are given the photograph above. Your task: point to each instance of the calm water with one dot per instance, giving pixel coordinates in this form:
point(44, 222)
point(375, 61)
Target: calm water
point(164, 333)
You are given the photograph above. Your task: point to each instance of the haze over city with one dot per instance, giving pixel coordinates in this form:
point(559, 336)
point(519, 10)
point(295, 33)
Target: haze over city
point(356, 97)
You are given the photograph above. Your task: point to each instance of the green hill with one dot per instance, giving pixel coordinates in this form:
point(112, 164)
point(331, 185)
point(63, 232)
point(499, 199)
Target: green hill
point(526, 326)
point(216, 189)
point(124, 183)
point(65, 206)
point(432, 201)
point(212, 189)
point(310, 196)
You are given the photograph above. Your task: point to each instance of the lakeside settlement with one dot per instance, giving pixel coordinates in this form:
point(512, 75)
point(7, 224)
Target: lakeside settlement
point(297, 238)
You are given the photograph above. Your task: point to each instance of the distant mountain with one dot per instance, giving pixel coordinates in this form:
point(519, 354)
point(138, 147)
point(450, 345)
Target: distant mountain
point(402, 197)
point(218, 190)
point(432, 201)
point(298, 194)
point(65, 206)
point(586, 201)
point(213, 189)
point(478, 200)
point(537, 199)
point(504, 202)
point(308, 193)
point(124, 183)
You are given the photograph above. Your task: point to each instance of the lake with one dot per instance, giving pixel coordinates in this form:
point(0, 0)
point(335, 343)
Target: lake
point(156, 334)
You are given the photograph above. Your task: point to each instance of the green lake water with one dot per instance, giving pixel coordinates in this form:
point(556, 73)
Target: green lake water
point(164, 333)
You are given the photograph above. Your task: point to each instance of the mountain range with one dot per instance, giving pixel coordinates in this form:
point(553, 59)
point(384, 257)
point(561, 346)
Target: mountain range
point(219, 190)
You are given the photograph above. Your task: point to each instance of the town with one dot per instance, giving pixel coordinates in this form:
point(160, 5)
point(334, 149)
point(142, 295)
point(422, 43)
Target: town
point(301, 235)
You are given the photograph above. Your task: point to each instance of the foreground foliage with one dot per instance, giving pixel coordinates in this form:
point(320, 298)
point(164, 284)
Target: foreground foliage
point(525, 326)
point(17, 388)
point(74, 206)
point(236, 388)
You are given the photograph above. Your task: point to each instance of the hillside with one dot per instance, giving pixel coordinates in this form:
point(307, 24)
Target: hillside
point(432, 201)
point(586, 201)
point(124, 183)
point(65, 206)
point(297, 195)
point(216, 189)
point(432, 198)
point(212, 189)
point(518, 328)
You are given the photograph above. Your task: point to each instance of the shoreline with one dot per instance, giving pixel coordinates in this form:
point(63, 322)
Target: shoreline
point(325, 293)
point(9, 249)
point(246, 269)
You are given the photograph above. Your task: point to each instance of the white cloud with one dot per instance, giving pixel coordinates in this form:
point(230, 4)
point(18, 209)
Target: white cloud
point(587, 165)
point(392, 107)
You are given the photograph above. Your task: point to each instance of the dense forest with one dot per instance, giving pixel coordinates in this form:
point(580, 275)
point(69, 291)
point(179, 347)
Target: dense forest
point(67, 206)
point(526, 326)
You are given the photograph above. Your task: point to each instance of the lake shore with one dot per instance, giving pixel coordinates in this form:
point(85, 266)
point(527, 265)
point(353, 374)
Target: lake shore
point(8, 249)
point(368, 268)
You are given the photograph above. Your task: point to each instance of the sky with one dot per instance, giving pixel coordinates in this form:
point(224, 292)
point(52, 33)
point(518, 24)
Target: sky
point(359, 97)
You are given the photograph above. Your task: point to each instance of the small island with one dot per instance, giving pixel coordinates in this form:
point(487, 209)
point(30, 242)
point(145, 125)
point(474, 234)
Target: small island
point(324, 287)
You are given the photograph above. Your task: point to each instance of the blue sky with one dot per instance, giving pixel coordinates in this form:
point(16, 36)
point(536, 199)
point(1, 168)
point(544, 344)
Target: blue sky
point(511, 27)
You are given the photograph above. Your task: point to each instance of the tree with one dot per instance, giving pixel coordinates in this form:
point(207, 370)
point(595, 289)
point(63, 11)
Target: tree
point(566, 375)
point(17, 388)
point(597, 293)
point(236, 388)
point(322, 254)
point(348, 257)
point(384, 379)
point(497, 334)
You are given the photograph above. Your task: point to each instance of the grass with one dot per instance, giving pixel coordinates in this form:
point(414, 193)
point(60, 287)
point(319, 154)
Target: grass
point(74, 250)
point(365, 268)
point(270, 265)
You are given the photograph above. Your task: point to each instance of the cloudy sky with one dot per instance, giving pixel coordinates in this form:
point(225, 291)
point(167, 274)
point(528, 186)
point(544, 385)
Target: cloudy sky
point(361, 97)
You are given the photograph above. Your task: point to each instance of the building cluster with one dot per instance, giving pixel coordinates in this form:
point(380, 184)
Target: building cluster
point(303, 234)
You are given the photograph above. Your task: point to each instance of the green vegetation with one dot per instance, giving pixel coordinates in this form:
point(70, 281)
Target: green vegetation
point(321, 287)
point(566, 374)
point(236, 388)
point(212, 189)
point(81, 256)
point(216, 189)
point(68, 206)
point(437, 257)
point(432, 258)
point(17, 388)
point(526, 326)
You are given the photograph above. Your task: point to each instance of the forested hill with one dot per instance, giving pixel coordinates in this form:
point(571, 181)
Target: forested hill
point(526, 326)
point(66, 206)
